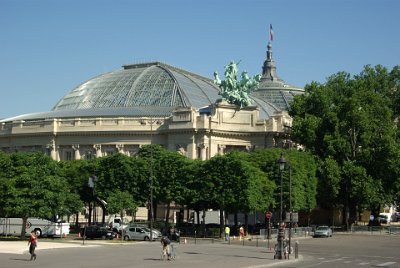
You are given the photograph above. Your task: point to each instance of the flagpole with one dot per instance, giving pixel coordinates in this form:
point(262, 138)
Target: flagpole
point(271, 33)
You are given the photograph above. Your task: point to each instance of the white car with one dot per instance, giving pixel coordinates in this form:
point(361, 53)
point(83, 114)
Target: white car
point(323, 231)
point(385, 217)
point(137, 233)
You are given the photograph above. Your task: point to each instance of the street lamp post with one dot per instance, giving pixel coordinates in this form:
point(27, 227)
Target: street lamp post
point(91, 181)
point(151, 181)
point(290, 210)
point(281, 232)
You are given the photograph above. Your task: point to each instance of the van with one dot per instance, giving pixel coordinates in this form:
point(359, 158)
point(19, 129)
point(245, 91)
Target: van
point(42, 227)
point(385, 217)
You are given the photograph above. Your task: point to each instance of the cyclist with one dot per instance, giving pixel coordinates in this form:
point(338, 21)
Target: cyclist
point(165, 242)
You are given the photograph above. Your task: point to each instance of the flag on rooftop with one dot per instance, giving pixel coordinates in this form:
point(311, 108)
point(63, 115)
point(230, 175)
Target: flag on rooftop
point(271, 33)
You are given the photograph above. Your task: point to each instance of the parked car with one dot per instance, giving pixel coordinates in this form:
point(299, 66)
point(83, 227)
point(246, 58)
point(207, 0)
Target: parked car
point(94, 231)
point(138, 233)
point(397, 216)
point(323, 231)
point(385, 217)
point(156, 233)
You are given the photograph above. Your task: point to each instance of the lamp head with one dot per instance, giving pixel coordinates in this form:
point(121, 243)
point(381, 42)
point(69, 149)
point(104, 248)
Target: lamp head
point(281, 162)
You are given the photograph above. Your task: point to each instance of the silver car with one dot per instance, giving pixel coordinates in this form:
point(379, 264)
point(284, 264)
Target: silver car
point(156, 233)
point(323, 231)
point(137, 233)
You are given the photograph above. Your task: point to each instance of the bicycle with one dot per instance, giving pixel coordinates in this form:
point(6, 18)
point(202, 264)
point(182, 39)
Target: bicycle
point(168, 253)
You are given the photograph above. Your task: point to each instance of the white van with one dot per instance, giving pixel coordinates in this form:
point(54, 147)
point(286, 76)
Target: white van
point(42, 227)
point(116, 224)
point(385, 217)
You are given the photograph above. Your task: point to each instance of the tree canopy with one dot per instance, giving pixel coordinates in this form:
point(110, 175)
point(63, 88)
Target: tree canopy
point(349, 123)
point(33, 186)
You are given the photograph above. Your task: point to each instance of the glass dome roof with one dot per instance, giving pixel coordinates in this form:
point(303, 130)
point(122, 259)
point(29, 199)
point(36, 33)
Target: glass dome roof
point(141, 85)
point(152, 89)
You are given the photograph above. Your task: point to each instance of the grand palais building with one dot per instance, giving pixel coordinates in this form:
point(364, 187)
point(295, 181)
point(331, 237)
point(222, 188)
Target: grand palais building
point(154, 103)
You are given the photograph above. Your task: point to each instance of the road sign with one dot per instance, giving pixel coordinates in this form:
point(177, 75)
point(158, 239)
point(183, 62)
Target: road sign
point(295, 216)
point(268, 214)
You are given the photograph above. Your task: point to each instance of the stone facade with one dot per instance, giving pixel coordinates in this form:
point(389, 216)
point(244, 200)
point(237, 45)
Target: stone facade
point(191, 132)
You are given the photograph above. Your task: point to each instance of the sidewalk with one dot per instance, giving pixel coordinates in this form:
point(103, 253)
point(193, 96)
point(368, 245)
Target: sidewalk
point(21, 247)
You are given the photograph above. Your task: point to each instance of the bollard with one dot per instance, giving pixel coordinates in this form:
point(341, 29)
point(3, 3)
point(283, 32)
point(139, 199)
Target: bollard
point(296, 250)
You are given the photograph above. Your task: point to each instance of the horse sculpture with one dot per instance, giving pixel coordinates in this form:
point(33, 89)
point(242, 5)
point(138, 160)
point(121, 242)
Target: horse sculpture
point(234, 91)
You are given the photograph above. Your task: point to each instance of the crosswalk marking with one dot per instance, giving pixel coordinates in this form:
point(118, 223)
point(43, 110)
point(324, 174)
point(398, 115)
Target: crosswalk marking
point(385, 264)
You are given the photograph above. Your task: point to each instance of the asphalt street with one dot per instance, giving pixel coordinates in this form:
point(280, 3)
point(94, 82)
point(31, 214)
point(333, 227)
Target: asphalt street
point(341, 250)
point(136, 254)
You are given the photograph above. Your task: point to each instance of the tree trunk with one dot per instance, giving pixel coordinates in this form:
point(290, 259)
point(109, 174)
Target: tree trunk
point(77, 222)
point(203, 222)
point(23, 227)
point(167, 214)
point(90, 213)
point(155, 211)
point(221, 222)
point(246, 224)
point(122, 216)
point(187, 214)
point(197, 217)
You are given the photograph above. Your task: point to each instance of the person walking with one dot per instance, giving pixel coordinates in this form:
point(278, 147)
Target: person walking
point(227, 232)
point(241, 233)
point(32, 243)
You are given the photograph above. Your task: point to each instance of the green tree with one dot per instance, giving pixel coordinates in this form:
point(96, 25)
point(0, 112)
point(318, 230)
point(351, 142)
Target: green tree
point(237, 184)
point(35, 188)
point(199, 194)
point(166, 169)
point(119, 202)
point(350, 120)
point(299, 182)
point(76, 173)
point(119, 173)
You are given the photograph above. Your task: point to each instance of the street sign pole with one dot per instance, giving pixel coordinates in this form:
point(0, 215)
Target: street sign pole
point(268, 215)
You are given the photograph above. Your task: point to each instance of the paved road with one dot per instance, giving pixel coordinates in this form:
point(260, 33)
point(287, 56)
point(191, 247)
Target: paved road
point(344, 250)
point(340, 251)
point(139, 254)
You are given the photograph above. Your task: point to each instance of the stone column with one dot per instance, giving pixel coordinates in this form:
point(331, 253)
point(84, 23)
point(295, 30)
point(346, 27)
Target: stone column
point(58, 153)
point(97, 147)
point(51, 148)
point(77, 153)
point(221, 148)
point(120, 148)
point(203, 151)
point(181, 149)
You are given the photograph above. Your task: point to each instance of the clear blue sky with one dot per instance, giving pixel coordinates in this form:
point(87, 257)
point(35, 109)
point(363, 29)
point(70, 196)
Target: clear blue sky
point(48, 47)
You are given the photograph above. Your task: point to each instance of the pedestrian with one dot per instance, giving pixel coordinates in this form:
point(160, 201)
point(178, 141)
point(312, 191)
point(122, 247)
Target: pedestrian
point(227, 232)
point(32, 243)
point(241, 232)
